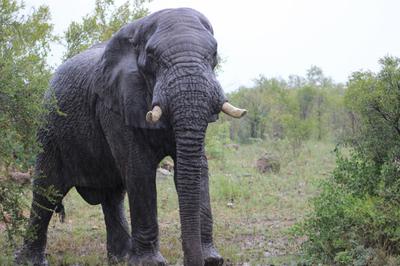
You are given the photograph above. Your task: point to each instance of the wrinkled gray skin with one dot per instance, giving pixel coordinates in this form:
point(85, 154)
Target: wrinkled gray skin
point(104, 147)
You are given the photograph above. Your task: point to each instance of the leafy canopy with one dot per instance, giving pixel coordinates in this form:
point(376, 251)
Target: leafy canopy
point(101, 24)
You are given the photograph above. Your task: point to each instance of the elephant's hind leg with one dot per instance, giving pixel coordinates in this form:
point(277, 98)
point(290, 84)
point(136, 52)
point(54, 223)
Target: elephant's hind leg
point(118, 237)
point(47, 196)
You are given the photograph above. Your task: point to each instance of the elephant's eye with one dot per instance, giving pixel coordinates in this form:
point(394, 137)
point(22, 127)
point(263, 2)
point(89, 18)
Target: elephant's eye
point(151, 60)
point(150, 50)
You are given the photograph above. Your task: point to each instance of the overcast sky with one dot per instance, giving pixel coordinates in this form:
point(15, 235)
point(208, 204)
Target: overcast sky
point(277, 38)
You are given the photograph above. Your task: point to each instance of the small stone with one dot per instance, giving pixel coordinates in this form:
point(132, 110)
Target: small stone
point(21, 178)
point(268, 163)
point(7, 218)
point(164, 171)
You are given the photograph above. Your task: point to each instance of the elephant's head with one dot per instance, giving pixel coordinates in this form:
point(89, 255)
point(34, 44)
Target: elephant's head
point(159, 72)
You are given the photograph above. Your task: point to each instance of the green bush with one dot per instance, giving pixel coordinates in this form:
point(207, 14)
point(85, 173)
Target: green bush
point(217, 139)
point(24, 75)
point(12, 203)
point(353, 214)
point(356, 218)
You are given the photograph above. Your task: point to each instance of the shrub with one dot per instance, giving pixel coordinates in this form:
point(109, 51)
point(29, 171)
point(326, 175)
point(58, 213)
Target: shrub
point(24, 44)
point(356, 218)
point(12, 203)
point(217, 139)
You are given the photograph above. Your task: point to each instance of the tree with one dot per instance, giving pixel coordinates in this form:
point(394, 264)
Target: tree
point(101, 24)
point(24, 75)
point(316, 77)
point(263, 102)
point(297, 109)
point(375, 101)
point(306, 97)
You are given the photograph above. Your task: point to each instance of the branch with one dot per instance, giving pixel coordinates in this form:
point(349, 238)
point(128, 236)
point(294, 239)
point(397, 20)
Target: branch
point(385, 116)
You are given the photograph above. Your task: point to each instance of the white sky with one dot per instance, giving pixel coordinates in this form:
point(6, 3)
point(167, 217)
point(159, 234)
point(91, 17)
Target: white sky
point(277, 38)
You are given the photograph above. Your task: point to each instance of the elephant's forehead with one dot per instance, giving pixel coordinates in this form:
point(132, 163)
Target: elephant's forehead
point(177, 32)
point(179, 14)
point(179, 19)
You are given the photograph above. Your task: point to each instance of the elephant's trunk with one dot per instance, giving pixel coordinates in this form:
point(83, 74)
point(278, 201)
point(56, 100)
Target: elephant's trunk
point(189, 108)
point(189, 151)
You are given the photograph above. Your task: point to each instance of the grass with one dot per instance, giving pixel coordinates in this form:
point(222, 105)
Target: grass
point(252, 211)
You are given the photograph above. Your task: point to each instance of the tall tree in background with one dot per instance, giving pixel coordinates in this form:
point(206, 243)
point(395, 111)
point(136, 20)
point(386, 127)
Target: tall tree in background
point(24, 75)
point(100, 25)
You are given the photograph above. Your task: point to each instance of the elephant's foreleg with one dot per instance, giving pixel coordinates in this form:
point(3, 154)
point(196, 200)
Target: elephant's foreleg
point(118, 238)
point(210, 254)
point(142, 195)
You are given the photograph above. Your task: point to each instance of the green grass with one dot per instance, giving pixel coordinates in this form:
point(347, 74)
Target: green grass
point(252, 211)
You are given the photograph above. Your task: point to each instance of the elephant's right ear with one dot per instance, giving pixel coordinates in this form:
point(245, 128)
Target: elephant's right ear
point(121, 86)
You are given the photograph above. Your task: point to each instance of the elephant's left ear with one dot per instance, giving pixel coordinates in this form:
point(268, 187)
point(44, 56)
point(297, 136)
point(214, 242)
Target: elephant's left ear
point(122, 87)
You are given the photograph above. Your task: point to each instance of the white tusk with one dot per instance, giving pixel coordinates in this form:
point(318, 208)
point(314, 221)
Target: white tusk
point(233, 111)
point(154, 115)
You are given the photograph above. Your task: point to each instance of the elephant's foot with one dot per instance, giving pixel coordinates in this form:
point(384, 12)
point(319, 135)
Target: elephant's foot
point(151, 259)
point(118, 253)
point(27, 256)
point(211, 256)
point(117, 257)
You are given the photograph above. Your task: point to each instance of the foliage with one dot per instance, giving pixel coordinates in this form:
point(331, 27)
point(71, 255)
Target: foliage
point(101, 24)
point(217, 139)
point(12, 204)
point(24, 74)
point(356, 218)
point(297, 109)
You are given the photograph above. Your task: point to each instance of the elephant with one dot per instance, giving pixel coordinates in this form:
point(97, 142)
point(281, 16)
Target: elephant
point(122, 106)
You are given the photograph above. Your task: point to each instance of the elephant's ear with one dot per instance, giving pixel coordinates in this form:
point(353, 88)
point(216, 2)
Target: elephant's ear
point(122, 87)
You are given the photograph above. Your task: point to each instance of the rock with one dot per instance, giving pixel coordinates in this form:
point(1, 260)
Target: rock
point(233, 146)
point(21, 178)
point(267, 254)
point(268, 163)
point(163, 173)
point(7, 218)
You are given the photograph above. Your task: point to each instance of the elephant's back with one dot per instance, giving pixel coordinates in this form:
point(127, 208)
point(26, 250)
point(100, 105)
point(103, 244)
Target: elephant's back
point(70, 93)
point(72, 126)
point(77, 73)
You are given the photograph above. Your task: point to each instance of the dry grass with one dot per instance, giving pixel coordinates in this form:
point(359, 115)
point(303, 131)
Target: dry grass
point(252, 211)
